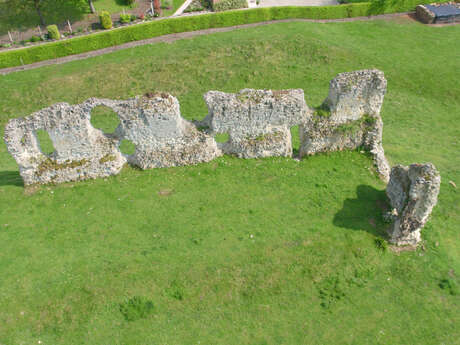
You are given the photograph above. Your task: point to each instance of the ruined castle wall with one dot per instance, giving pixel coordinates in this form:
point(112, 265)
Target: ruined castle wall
point(81, 151)
point(258, 123)
point(349, 118)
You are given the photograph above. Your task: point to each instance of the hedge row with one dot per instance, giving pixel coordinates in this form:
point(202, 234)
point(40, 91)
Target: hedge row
point(156, 28)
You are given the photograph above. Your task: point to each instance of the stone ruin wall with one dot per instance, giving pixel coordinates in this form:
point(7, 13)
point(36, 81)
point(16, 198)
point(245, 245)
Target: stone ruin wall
point(258, 123)
point(413, 192)
point(349, 118)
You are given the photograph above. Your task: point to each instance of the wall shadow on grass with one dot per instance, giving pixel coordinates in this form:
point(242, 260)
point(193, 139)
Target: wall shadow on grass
point(11, 178)
point(365, 212)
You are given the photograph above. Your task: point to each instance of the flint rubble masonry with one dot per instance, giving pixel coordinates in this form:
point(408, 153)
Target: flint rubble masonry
point(162, 137)
point(413, 192)
point(258, 121)
point(81, 151)
point(153, 123)
point(349, 118)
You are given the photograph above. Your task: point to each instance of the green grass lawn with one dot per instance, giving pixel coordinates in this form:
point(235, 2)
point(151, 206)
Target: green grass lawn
point(113, 6)
point(175, 6)
point(269, 251)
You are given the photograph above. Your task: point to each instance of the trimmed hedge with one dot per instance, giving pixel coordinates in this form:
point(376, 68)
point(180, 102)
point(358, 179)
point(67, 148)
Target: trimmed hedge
point(125, 18)
point(105, 20)
point(156, 28)
point(53, 32)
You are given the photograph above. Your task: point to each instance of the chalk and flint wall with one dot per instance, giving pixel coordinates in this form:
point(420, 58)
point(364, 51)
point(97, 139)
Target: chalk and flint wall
point(413, 192)
point(349, 118)
point(258, 124)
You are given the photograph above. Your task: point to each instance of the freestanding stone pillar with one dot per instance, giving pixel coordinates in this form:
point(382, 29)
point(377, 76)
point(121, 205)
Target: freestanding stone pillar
point(413, 192)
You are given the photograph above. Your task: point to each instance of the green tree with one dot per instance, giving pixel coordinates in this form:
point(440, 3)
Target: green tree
point(37, 4)
point(50, 7)
point(91, 6)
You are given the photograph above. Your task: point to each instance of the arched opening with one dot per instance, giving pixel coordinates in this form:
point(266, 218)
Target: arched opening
point(222, 137)
point(295, 140)
point(127, 147)
point(105, 119)
point(44, 142)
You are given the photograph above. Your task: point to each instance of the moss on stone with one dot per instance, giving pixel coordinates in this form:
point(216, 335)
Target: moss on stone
point(260, 137)
point(369, 120)
point(49, 164)
point(252, 96)
point(322, 111)
point(203, 129)
point(107, 158)
point(266, 137)
point(353, 127)
point(349, 127)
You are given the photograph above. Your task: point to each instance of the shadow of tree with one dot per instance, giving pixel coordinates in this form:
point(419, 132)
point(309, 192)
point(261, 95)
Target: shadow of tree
point(10, 178)
point(120, 2)
point(96, 26)
point(365, 212)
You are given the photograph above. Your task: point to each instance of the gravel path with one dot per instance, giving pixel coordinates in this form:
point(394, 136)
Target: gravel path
point(183, 35)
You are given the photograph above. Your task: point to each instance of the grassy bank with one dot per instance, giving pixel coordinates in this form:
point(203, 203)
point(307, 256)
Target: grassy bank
point(239, 251)
point(183, 24)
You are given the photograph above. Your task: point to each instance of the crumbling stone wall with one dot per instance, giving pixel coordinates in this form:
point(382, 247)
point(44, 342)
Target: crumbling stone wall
point(81, 151)
point(413, 192)
point(349, 118)
point(162, 137)
point(258, 121)
point(152, 122)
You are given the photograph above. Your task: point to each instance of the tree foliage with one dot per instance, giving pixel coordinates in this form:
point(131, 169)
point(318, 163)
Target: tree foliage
point(48, 11)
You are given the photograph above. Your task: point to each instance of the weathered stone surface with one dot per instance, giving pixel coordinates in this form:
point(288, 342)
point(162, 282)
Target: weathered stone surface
point(275, 141)
point(258, 121)
point(413, 192)
point(81, 151)
point(439, 13)
point(162, 137)
point(424, 14)
point(153, 123)
point(349, 118)
point(355, 94)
